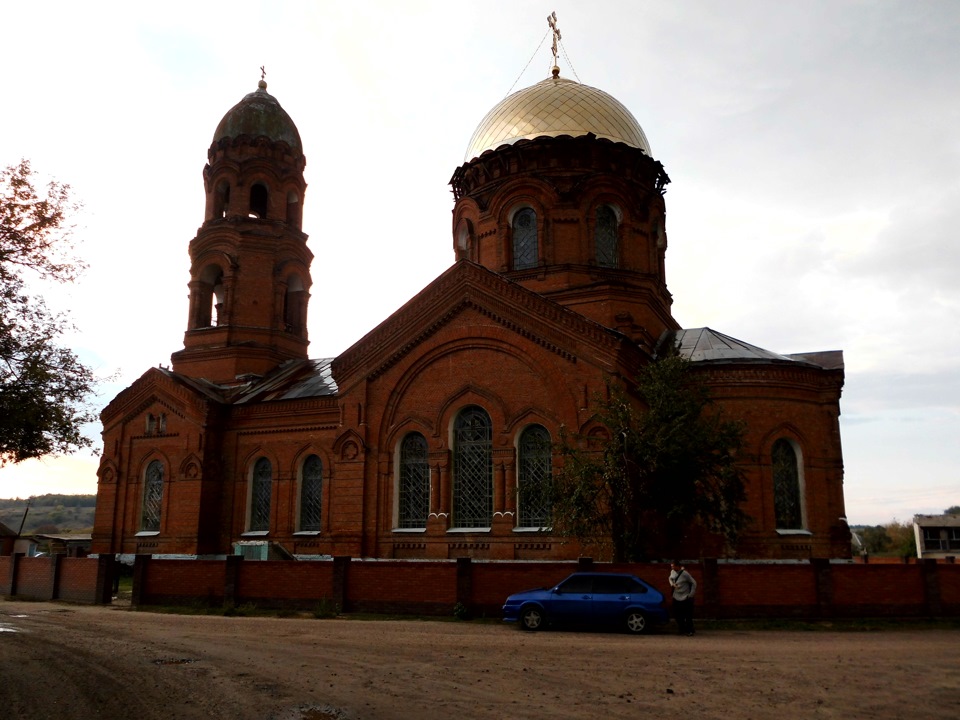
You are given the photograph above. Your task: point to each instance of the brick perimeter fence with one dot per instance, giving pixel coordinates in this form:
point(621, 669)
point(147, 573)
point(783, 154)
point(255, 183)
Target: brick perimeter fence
point(815, 589)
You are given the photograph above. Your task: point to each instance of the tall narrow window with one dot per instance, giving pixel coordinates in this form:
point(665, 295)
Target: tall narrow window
point(534, 477)
point(472, 469)
point(605, 237)
point(152, 497)
point(787, 499)
point(294, 306)
point(260, 492)
point(221, 200)
point(258, 201)
point(413, 501)
point(524, 239)
point(311, 486)
point(207, 297)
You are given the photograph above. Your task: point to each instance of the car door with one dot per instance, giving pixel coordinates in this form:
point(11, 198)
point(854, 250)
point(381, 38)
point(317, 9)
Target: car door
point(612, 595)
point(571, 601)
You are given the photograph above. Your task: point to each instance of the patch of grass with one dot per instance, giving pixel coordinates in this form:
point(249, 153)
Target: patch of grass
point(326, 609)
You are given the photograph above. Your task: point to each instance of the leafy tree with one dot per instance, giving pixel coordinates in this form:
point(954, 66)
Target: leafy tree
point(903, 541)
point(875, 539)
point(43, 386)
point(664, 460)
point(952, 510)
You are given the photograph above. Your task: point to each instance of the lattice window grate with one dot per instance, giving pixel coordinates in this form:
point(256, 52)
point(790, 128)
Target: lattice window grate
point(524, 239)
point(414, 491)
point(786, 486)
point(311, 487)
point(152, 497)
point(534, 477)
point(260, 496)
point(473, 469)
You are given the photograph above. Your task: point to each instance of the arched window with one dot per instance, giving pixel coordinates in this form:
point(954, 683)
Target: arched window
point(208, 297)
point(472, 469)
point(787, 495)
point(524, 239)
point(258, 201)
point(605, 237)
point(311, 487)
point(221, 199)
point(294, 209)
point(294, 306)
point(152, 497)
point(260, 492)
point(413, 491)
point(534, 477)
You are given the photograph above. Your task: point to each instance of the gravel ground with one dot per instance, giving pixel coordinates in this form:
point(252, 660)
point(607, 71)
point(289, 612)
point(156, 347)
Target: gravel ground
point(70, 661)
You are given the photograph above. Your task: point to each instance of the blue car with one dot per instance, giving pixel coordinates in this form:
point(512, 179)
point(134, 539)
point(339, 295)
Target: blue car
point(590, 599)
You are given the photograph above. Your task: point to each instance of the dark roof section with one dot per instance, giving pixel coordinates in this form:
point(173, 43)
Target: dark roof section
point(259, 115)
point(6, 532)
point(703, 345)
point(294, 379)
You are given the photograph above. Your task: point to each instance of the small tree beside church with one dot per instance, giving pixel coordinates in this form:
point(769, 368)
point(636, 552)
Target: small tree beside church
point(663, 461)
point(43, 386)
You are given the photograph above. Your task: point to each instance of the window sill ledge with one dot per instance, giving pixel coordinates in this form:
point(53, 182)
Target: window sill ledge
point(469, 530)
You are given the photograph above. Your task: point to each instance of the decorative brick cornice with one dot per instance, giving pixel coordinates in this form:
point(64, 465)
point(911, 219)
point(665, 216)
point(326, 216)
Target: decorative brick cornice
point(585, 155)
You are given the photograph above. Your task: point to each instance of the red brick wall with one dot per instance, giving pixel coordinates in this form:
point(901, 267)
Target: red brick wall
point(5, 561)
point(202, 580)
point(395, 586)
point(35, 577)
point(78, 580)
point(273, 581)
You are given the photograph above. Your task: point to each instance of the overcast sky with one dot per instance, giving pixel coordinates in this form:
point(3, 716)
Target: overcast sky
point(814, 149)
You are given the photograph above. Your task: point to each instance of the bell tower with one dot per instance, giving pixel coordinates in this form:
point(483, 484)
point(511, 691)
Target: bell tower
point(249, 263)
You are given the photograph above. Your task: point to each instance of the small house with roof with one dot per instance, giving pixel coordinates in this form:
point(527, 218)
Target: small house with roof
point(937, 536)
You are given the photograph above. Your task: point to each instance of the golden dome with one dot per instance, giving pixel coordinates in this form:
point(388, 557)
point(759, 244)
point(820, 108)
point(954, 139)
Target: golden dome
point(556, 106)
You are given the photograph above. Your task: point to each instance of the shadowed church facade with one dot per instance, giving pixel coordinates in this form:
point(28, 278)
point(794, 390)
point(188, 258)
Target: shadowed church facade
point(430, 437)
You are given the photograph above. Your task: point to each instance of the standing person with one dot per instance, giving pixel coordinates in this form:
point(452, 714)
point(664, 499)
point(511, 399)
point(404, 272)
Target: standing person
point(684, 588)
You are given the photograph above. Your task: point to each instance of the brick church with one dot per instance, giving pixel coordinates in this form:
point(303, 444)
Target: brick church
point(417, 440)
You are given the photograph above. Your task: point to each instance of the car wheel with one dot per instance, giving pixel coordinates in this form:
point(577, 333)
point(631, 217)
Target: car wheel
point(636, 623)
point(531, 618)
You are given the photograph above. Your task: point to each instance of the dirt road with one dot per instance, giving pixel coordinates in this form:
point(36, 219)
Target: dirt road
point(67, 661)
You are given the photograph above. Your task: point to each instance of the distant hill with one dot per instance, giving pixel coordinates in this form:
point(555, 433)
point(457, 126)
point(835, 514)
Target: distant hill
point(50, 513)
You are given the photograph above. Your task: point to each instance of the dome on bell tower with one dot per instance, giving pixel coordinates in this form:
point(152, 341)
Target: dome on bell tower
point(553, 107)
point(259, 114)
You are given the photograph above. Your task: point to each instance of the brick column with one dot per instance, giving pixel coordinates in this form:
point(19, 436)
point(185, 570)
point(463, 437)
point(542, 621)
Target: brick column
point(12, 579)
point(341, 572)
point(931, 587)
point(55, 563)
point(464, 581)
point(823, 582)
point(230, 575)
point(141, 565)
point(710, 578)
point(107, 571)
